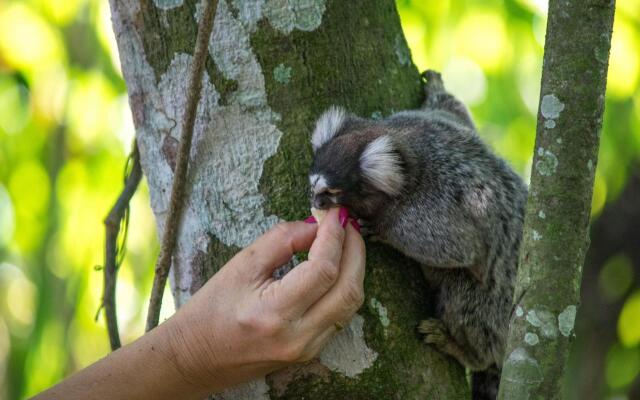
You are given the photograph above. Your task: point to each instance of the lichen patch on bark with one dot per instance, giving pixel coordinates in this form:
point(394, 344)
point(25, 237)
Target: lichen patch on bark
point(544, 321)
point(531, 338)
point(287, 15)
point(347, 352)
point(566, 320)
point(282, 74)
point(168, 4)
point(551, 106)
point(522, 369)
point(547, 162)
point(381, 311)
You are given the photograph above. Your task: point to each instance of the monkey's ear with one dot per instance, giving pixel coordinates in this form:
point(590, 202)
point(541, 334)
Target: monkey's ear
point(381, 165)
point(328, 126)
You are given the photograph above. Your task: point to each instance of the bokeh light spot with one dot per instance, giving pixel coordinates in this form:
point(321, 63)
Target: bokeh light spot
point(616, 277)
point(14, 105)
point(92, 105)
point(482, 36)
point(29, 182)
point(465, 80)
point(540, 7)
point(27, 41)
point(48, 357)
point(629, 321)
point(48, 94)
point(628, 8)
point(415, 33)
point(622, 79)
point(60, 11)
point(7, 217)
point(623, 365)
point(529, 71)
point(599, 194)
point(5, 345)
point(19, 297)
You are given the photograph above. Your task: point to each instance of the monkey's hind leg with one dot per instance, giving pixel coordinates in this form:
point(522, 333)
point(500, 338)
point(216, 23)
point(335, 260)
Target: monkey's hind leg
point(437, 335)
point(437, 98)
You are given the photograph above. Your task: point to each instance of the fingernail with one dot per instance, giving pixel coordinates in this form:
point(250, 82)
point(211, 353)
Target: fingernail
point(355, 225)
point(311, 220)
point(343, 216)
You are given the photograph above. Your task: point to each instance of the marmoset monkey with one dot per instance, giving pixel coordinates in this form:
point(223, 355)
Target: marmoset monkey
point(423, 182)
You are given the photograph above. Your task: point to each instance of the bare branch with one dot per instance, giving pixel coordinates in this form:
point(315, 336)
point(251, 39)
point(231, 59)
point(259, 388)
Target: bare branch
point(118, 217)
point(172, 223)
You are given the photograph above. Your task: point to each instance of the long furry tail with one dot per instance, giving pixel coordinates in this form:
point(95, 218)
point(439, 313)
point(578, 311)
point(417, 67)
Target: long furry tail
point(437, 98)
point(484, 384)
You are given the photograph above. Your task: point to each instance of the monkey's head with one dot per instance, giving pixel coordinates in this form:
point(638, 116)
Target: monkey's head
point(355, 164)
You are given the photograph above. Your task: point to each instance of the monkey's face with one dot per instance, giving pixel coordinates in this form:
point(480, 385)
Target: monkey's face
point(341, 175)
point(355, 165)
point(333, 179)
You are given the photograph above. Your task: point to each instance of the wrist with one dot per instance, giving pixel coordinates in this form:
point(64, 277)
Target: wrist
point(161, 341)
point(191, 355)
point(146, 368)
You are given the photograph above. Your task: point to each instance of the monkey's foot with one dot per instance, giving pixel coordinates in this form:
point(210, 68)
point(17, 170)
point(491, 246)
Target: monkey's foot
point(435, 333)
point(433, 81)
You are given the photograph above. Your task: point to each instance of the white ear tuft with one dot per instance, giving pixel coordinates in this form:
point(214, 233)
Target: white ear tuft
point(328, 126)
point(381, 165)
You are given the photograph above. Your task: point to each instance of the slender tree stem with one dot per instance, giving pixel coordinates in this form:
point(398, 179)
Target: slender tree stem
point(172, 223)
point(112, 255)
point(557, 216)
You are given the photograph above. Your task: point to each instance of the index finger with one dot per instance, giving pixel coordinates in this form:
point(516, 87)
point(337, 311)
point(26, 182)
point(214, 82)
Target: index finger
point(346, 295)
point(328, 243)
point(312, 279)
point(276, 247)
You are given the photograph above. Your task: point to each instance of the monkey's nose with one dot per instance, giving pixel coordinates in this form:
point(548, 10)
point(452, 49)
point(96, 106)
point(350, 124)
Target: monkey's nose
point(321, 202)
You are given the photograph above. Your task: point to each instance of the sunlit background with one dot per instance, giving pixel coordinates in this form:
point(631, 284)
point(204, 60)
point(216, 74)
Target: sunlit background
point(65, 132)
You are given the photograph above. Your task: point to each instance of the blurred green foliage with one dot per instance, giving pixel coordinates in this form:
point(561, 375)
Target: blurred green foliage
point(65, 131)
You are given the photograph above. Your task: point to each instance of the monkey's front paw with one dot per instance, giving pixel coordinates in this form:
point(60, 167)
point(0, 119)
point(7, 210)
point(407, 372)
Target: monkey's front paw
point(435, 333)
point(367, 231)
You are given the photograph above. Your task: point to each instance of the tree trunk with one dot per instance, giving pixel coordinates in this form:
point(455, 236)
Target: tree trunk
point(273, 66)
point(557, 217)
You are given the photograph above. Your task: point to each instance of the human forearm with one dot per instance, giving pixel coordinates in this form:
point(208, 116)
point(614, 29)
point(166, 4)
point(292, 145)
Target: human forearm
point(144, 369)
point(242, 323)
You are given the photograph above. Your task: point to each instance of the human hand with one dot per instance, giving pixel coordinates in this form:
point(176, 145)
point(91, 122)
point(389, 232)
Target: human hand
point(243, 324)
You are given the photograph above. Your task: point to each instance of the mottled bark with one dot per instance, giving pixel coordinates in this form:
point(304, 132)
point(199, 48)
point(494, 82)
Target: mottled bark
point(273, 66)
point(557, 216)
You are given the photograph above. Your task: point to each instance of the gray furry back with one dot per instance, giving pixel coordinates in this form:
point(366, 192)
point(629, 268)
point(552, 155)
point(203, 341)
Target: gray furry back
point(423, 182)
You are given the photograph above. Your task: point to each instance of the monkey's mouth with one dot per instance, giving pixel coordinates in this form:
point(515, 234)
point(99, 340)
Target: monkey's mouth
point(336, 205)
point(324, 201)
